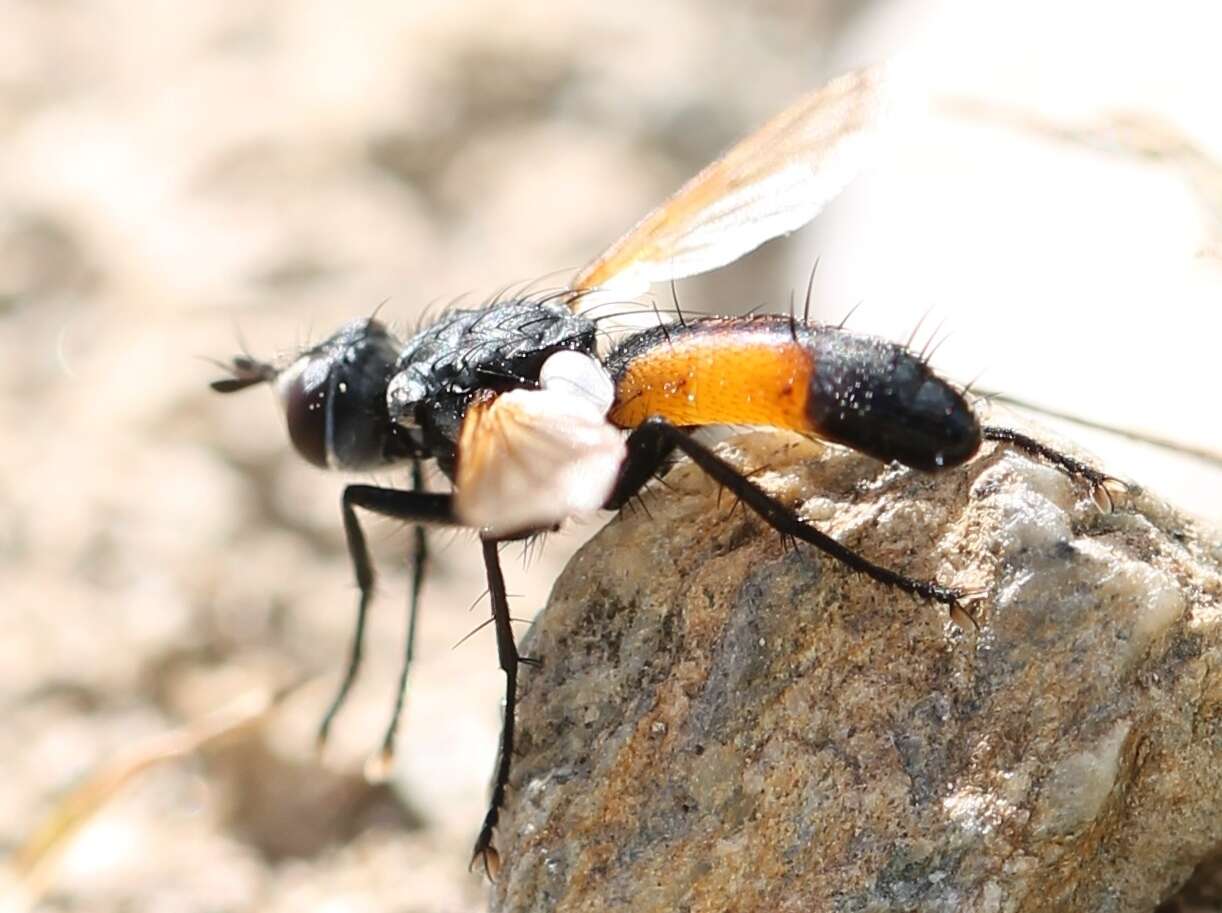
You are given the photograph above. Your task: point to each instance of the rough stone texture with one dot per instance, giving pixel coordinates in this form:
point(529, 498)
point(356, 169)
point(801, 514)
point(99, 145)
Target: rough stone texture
point(726, 722)
point(1202, 893)
point(179, 178)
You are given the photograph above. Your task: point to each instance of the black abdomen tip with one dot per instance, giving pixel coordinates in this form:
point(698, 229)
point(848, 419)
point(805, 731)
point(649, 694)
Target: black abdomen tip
point(879, 398)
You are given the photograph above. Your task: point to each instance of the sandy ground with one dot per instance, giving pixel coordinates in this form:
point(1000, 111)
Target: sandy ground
point(178, 180)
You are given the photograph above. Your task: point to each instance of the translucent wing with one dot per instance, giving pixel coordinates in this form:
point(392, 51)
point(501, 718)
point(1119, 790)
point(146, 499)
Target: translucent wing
point(529, 459)
point(773, 182)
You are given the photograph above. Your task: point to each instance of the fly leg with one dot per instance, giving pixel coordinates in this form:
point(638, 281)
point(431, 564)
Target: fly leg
point(419, 560)
point(1105, 489)
point(650, 444)
point(417, 507)
point(426, 508)
point(507, 653)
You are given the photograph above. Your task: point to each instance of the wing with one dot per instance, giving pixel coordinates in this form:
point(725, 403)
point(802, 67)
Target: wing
point(773, 182)
point(529, 459)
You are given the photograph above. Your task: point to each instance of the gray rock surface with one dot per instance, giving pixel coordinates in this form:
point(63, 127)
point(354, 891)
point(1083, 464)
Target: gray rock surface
point(725, 722)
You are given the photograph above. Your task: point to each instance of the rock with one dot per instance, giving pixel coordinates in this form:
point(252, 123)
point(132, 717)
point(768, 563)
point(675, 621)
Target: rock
point(724, 721)
point(1202, 893)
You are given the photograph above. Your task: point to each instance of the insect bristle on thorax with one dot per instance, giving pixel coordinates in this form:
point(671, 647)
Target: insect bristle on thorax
point(533, 421)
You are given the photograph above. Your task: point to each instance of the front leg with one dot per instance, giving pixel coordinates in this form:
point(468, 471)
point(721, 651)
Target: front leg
point(419, 554)
point(415, 507)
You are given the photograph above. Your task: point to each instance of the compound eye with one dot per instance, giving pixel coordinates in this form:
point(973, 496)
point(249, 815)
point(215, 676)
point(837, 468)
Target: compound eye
point(334, 399)
point(304, 390)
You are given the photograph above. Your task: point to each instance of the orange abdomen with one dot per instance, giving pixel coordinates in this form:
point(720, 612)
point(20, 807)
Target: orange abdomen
point(859, 391)
point(714, 372)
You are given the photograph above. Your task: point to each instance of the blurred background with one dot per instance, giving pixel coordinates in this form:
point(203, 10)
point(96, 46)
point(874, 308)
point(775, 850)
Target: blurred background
point(178, 180)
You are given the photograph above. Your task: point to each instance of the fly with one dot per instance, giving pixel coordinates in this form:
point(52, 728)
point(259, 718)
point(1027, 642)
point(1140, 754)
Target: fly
point(532, 425)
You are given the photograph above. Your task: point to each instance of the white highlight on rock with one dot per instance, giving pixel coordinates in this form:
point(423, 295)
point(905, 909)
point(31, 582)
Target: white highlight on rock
point(1160, 603)
point(1075, 793)
point(976, 811)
